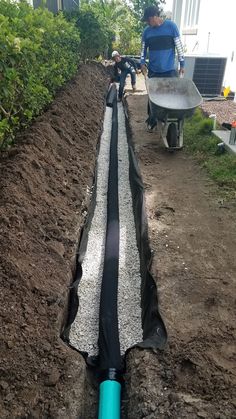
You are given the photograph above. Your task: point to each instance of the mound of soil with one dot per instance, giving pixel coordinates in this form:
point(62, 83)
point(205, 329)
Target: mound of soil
point(45, 183)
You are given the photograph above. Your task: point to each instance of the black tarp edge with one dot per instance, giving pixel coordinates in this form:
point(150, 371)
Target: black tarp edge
point(108, 341)
point(73, 300)
point(154, 331)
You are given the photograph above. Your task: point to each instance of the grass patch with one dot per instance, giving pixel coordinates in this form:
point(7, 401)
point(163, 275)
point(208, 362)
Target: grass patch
point(200, 142)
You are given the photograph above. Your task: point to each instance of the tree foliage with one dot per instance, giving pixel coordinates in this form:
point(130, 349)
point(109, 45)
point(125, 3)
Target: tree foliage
point(139, 5)
point(38, 53)
point(95, 35)
point(119, 22)
point(118, 19)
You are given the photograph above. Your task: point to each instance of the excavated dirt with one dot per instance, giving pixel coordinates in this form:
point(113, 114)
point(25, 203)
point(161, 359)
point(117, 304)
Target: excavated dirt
point(193, 237)
point(45, 182)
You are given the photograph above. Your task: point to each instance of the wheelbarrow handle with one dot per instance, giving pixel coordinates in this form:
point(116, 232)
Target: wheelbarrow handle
point(146, 82)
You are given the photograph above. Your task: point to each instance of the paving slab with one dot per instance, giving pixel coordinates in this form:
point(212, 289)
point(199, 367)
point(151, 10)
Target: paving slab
point(224, 136)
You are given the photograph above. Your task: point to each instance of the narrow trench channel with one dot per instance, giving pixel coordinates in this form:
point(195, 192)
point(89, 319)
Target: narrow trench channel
point(84, 330)
point(139, 321)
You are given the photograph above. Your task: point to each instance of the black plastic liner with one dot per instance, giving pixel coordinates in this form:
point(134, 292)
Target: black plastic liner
point(154, 331)
point(108, 342)
point(111, 95)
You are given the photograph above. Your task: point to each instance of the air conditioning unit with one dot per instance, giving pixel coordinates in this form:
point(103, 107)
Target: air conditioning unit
point(207, 72)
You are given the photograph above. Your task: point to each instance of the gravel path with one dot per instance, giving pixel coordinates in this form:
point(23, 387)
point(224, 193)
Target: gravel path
point(225, 110)
point(84, 331)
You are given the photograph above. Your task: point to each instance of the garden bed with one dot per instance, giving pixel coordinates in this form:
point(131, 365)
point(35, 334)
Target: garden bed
point(44, 193)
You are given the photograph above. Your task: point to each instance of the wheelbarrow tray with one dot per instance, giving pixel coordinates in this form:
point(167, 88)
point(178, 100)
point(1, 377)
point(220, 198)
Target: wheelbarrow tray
point(173, 97)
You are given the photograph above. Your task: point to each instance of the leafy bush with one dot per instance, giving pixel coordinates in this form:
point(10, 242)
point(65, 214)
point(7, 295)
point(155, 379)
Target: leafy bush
point(95, 35)
point(197, 116)
point(128, 40)
point(106, 25)
point(205, 126)
point(38, 53)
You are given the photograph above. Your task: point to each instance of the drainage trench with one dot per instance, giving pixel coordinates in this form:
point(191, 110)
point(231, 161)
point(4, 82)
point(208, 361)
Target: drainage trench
point(84, 330)
point(138, 320)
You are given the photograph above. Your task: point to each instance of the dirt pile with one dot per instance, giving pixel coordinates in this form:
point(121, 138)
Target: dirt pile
point(44, 193)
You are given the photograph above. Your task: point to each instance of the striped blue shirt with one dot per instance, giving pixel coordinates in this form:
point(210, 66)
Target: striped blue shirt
point(161, 43)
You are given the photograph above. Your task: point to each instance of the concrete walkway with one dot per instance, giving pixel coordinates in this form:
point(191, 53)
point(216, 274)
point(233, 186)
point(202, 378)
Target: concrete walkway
point(224, 136)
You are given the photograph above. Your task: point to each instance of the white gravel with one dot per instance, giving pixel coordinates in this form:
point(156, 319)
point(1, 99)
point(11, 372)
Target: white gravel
point(84, 331)
point(129, 284)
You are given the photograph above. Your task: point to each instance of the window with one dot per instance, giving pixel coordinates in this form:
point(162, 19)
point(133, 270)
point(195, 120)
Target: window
point(191, 15)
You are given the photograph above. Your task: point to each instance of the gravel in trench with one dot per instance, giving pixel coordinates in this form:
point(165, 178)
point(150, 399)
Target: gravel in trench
point(84, 331)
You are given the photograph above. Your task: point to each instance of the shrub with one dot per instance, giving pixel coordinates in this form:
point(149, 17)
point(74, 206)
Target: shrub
point(39, 52)
point(197, 116)
point(205, 126)
point(95, 36)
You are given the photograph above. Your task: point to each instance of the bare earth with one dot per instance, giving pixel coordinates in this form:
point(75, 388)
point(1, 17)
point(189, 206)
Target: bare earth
point(44, 182)
point(193, 238)
point(44, 194)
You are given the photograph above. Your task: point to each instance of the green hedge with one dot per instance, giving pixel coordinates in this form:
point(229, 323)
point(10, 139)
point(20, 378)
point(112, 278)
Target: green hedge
point(95, 36)
point(38, 53)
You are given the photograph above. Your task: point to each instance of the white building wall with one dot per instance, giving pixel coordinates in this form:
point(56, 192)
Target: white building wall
point(215, 32)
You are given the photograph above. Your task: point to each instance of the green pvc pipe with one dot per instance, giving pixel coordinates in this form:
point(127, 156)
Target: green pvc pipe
point(109, 400)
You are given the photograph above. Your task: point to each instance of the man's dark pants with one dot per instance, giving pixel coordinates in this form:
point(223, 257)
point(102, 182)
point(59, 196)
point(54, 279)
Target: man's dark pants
point(152, 117)
point(123, 76)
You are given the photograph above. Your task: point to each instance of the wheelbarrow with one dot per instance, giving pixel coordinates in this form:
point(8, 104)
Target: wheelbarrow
point(171, 100)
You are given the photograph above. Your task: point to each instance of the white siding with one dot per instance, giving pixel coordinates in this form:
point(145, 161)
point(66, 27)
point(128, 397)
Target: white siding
point(213, 31)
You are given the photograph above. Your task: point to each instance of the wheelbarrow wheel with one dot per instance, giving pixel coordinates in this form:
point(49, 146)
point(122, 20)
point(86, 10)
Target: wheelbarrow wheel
point(172, 135)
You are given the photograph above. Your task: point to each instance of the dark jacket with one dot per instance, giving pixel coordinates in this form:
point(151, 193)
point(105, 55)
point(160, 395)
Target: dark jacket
point(126, 64)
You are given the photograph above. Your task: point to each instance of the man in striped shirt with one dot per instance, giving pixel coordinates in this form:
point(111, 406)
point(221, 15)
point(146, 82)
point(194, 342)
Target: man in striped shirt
point(161, 39)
